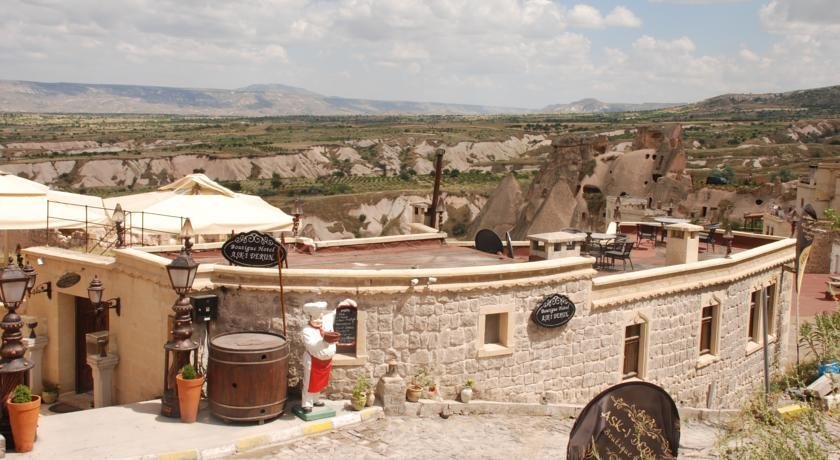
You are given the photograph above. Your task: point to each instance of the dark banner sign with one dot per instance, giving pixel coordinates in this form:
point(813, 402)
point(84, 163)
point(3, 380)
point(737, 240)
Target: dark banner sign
point(68, 279)
point(554, 311)
point(253, 249)
point(629, 420)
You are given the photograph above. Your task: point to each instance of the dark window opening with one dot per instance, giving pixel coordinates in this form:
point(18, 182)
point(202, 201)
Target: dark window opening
point(706, 329)
point(632, 348)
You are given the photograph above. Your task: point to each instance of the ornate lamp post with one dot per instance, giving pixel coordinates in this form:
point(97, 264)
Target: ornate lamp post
point(119, 220)
point(181, 348)
point(13, 366)
point(297, 212)
point(187, 233)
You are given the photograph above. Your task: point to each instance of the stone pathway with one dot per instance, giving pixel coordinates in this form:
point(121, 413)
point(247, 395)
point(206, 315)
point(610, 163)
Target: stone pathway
point(460, 437)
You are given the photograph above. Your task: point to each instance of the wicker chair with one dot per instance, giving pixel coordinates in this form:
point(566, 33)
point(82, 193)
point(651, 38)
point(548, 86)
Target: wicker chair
point(620, 251)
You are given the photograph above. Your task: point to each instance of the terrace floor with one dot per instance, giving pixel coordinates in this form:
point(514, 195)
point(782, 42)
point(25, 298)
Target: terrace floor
point(647, 256)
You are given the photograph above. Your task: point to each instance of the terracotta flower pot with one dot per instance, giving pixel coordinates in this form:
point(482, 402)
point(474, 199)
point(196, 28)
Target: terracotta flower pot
point(24, 420)
point(358, 402)
point(189, 394)
point(412, 394)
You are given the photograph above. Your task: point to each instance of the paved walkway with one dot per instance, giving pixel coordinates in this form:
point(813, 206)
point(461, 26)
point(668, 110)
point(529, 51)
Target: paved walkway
point(137, 430)
point(460, 437)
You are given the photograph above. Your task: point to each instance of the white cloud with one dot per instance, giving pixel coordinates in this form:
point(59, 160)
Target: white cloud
point(586, 16)
point(748, 55)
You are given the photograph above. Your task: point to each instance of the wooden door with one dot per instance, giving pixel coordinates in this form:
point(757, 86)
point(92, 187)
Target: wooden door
point(86, 321)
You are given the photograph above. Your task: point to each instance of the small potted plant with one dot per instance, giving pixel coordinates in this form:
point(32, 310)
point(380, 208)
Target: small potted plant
point(359, 398)
point(23, 409)
point(50, 393)
point(189, 392)
point(415, 388)
point(467, 391)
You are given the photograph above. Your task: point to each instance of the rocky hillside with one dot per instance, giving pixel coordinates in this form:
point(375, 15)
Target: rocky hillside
point(254, 100)
point(369, 157)
point(590, 105)
point(817, 100)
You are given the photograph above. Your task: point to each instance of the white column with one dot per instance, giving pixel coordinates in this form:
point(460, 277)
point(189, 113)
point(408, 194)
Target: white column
point(35, 354)
point(103, 378)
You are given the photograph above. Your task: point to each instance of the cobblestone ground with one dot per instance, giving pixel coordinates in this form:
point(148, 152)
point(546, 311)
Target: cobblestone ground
point(459, 437)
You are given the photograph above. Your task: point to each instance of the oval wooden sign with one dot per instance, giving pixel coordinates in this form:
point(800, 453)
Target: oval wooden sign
point(253, 249)
point(68, 279)
point(554, 311)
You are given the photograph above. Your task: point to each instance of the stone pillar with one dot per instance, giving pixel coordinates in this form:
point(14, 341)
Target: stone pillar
point(103, 378)
point(35, 354)
point(683, 243)
point(390, 390)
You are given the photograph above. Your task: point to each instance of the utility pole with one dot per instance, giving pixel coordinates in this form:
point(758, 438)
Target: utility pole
point(431, 220)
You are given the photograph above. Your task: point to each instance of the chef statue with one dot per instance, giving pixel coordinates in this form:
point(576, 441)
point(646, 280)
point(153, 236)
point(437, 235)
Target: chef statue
point(319, 341)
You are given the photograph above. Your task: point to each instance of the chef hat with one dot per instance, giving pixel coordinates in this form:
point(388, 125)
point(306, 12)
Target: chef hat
point(315, 310)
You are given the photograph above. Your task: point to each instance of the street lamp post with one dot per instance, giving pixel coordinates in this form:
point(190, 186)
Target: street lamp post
point(119, 222)
point(181, 348)
point(297, 212)
point(13, 365)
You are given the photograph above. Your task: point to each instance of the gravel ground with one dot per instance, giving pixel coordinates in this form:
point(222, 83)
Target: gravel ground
point(461, 437)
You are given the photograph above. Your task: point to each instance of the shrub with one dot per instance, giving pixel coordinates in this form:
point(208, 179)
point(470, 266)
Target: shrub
point(822, 336)
point(188, 372)
point(22, 394)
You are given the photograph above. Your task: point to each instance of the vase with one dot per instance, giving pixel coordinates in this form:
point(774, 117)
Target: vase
point(466, 395)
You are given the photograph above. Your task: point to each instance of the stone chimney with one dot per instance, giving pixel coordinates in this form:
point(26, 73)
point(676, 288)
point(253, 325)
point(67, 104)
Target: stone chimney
point(683, 243)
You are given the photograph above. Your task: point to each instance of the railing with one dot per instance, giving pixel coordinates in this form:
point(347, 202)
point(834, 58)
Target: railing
point(133, 231)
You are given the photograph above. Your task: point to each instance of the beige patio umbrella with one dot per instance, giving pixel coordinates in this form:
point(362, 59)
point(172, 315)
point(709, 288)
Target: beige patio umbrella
point(211, 208)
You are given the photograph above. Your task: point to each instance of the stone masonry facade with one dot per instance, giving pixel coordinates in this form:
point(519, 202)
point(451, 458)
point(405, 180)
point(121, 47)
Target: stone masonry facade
point(438, 330)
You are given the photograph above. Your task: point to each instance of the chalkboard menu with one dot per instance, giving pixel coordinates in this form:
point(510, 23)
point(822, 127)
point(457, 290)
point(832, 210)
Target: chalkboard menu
point(555, 310)
point(346, 318)
point(253, 249)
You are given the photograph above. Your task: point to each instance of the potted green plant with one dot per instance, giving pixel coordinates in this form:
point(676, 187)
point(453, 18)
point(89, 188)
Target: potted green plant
point(50, 393)
point(23, 408)
point(467, 391)
point(359, 398)
point(415, 388)
point(189, 383)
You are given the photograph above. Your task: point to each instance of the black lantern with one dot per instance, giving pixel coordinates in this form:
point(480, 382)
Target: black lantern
point(32, 276)
point(95, 290)
point(181, 348)
point(13, 283)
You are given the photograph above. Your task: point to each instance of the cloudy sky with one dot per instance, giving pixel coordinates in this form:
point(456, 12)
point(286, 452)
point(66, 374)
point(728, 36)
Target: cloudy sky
point(520, 53)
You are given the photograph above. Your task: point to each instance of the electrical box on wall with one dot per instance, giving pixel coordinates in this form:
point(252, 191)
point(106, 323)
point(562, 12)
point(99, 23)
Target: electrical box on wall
point(206, 307)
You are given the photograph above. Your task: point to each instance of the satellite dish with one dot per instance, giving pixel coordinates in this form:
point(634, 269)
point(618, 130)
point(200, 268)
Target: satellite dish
point(811, 212)
point(487, 241)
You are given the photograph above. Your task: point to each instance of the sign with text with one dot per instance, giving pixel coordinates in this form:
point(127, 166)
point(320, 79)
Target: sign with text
point(554, 311)
point(628, 420)
point(346, 319)
point(68, 279)
point(253, 249)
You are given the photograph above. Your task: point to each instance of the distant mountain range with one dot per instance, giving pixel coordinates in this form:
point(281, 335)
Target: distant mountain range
point(280, 100)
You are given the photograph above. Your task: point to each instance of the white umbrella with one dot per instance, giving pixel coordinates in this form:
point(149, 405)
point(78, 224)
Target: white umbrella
point(28, 205)
point(211, 208)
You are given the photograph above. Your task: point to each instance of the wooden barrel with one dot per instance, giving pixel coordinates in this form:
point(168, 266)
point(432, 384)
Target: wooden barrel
point(247, 375)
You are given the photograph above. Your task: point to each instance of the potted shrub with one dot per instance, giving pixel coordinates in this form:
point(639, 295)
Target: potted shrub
point(467, 391)
point(415, 388)
point(50, 393)
point(23, 410)
point(189, 392)
point(359, 398)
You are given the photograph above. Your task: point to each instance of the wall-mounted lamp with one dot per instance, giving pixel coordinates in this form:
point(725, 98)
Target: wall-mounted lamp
point(31, 276)
point(95, 291)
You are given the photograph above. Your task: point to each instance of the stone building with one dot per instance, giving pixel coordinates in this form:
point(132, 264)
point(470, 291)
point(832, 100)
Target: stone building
point(822, 188)
point(691, 327)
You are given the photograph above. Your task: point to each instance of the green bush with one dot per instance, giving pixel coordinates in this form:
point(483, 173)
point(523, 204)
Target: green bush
point(22, 394)
point(188, 372)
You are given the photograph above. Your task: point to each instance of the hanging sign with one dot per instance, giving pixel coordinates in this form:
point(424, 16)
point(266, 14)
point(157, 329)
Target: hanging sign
point(554, 311)
point(628, 420)
point(253, 249)
point(68, 279)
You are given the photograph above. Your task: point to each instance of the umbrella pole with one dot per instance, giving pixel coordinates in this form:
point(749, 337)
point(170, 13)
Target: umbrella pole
point(282, 295)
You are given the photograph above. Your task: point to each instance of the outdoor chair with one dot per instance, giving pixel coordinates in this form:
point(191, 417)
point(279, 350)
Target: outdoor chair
point(707, 236)
point(645, 232)
point(622, 254)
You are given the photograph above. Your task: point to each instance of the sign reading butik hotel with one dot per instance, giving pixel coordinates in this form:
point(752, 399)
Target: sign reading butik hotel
point(253, 249)
point(554, 311)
